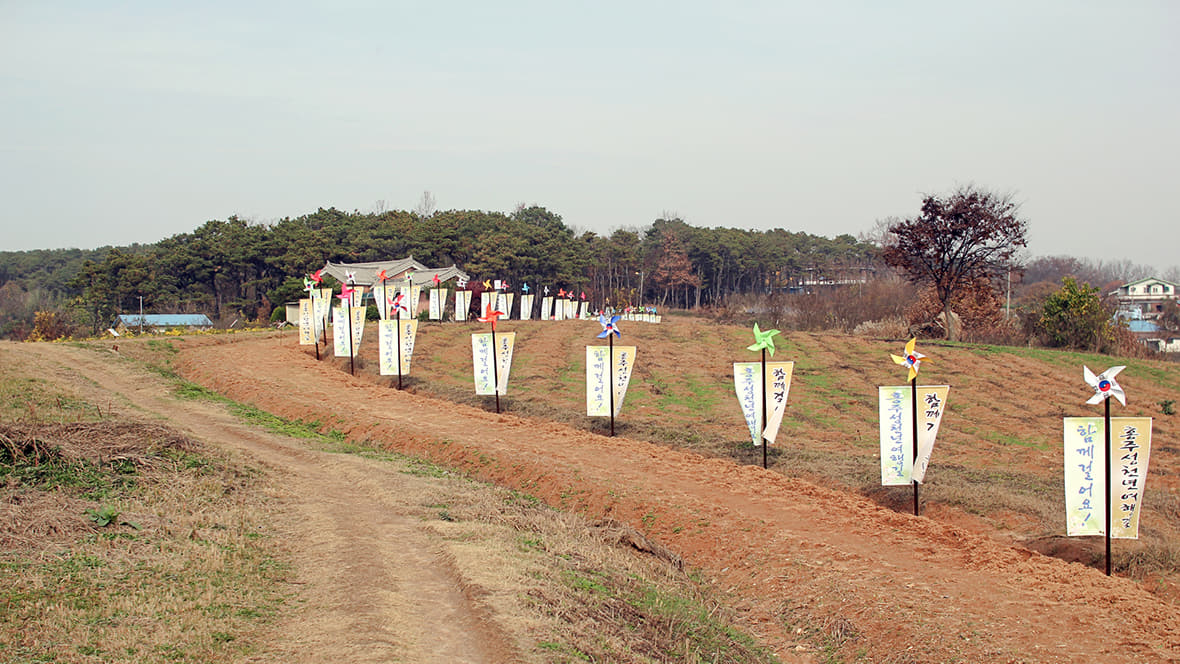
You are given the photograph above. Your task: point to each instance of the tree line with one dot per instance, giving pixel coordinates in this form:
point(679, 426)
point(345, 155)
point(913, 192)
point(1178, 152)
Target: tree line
point(234, 268)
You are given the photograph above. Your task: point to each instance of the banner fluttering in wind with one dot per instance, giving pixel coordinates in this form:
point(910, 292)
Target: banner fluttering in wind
point(749, 384)
point(897, 438)
point(391, 333)
point(481, 357)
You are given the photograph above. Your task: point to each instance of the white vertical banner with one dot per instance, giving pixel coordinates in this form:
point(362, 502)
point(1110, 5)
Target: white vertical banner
point(462, 304)
point(357, 299)
point(393, 332)
point(598, 377)
point(504, 303)
point(485, 298)
point(481, 359)
point(340, 330)
point(379, 300)
point(438, 301)
point(571, 310)
point(584, 312)
point(1085, 474)
point(897, 431)
point(749, 384)
point(547, 307)
point(526, 306)
point(321, 305)
point(306, 323)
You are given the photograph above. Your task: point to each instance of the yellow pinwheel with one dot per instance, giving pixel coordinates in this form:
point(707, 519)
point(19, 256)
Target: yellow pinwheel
point(912, 358)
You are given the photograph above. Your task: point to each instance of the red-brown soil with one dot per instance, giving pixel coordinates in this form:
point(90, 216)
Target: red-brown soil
point(795, 557)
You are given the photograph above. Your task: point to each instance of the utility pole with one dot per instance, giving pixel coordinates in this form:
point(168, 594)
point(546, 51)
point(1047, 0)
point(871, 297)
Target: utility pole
point(141, 315)
point(1008, 312)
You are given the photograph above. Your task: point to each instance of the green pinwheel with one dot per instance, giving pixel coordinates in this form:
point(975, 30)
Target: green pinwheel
point(763, 340)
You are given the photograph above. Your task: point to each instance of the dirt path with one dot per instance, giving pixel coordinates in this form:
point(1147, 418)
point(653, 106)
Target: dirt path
point(796, 557)
point(375, 586)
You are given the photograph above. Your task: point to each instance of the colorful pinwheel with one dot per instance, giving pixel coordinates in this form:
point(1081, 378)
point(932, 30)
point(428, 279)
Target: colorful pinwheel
point(609, 326)
point(763, 340)
point(398, 303)
point(318, 275)
point(435, 280)
point(490, 315)
point(583, 295)
point(561, 292)
point(1104, 384)
point(546, 290)
point(381, 276)
point(524, 288)
point(346, 293)
point(308, 285)
point(350, 277)
point(912, 358)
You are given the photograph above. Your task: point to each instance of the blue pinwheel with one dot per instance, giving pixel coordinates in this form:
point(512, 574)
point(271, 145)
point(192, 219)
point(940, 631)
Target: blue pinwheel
point(609, 326)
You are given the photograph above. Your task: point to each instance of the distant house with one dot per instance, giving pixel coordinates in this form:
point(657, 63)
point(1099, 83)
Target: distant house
point(1146, 295)
point(161, 322)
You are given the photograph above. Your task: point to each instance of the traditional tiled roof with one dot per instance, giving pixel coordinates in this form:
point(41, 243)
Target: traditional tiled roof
point(366, 273)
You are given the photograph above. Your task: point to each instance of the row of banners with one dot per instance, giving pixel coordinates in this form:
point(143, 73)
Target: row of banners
point(762, 389)
point(408, 297)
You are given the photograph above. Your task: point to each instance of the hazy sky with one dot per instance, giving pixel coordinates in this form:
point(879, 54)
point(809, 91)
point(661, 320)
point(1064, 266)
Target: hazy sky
point(128, 122)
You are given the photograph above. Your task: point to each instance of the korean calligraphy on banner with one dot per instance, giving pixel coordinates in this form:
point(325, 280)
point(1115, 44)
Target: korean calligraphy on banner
point(307, 332)
point(897, 438)
point(749, 384)
point(395, 333)
point(526, 306)
point(547, 307)
point(438, 301)
point(598, 377)
point(1085, 473)
point(481, 357)
point(462, 304)
point(340, 330)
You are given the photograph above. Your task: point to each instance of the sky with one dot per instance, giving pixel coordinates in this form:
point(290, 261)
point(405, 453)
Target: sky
point(126, 122)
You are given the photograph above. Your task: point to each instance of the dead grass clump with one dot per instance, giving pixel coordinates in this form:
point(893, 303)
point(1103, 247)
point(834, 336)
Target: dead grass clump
point(100, 443)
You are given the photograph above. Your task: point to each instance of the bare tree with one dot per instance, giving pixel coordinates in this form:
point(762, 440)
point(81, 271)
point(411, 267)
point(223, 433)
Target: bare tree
point(969, 234)
point(425, 208)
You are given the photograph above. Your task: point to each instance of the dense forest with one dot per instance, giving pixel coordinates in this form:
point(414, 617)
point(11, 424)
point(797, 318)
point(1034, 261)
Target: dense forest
point(236, 269)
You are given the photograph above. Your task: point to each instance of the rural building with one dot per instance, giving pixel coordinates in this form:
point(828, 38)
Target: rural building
point(1146, 295)
point(1140, 304)
point(161, 322)
point(396, 272)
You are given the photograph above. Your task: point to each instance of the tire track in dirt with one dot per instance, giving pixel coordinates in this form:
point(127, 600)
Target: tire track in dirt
point(794, 555)
point(375, 585)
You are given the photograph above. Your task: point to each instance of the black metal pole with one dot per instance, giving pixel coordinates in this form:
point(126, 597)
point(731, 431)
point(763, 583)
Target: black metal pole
point(495, 369)
point(914, 410)
point(397, 339)
point(763, 432)
point(610, 368)
point(1108, 489)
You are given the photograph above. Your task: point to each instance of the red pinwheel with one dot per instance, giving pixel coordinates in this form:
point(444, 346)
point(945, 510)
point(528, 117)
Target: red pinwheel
point(398, 303)
point(490, 315)
point(583, 295)
point(436, 280)
point(346, 293)
point(382, 276)
point(318, 275)
point(561, 292)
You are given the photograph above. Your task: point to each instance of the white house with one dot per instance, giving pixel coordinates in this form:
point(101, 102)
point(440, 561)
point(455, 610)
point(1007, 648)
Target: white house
point(1146, 295)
